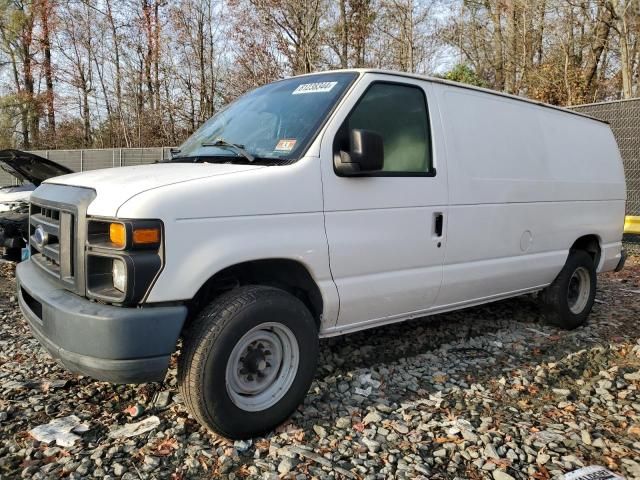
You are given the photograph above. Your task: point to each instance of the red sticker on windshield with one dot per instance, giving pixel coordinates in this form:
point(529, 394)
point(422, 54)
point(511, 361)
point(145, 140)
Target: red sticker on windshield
point(285, 145)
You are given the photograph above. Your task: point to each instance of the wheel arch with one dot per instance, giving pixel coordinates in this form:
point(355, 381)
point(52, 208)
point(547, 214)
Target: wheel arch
point(284, 273)
point(591, 244)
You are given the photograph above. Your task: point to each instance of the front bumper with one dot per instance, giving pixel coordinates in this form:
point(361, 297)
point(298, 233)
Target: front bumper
point(113, 344)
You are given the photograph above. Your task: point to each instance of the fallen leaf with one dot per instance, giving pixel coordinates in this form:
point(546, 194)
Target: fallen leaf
point(263, 444)
point(439, 378)
point(359, 426)
point(243, 471)
point(166, 447)
point(542, 473)
point(446, 439)
point(501, 462)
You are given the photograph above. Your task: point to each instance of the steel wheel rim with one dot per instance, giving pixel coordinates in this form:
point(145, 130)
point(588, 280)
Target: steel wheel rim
point(578, 290)
point(262, 366)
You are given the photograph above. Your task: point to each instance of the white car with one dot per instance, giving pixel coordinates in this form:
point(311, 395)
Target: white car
point(14, 193)
point(30, 170)
point(316, 206)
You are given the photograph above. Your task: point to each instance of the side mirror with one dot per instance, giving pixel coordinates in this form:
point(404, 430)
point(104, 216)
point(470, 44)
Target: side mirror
point(366, 154)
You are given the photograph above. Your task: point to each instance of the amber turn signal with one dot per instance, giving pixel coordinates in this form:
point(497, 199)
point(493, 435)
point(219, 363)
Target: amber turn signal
point(146, 236)
point(117, 235)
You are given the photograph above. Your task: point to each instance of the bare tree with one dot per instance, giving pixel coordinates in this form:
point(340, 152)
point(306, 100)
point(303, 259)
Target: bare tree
point(45, 11)
point(76, 47)
point(626, 23)
point(149, 72)
point(296, 30)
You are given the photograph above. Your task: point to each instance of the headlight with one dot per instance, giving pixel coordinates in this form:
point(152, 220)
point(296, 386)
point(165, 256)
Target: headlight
point(123, 258)
point(119, 274)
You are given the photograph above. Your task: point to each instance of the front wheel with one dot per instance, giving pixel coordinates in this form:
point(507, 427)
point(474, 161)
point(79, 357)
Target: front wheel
point(248, 361)
point(568, 300)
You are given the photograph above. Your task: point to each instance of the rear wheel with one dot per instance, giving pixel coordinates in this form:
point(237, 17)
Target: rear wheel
point(248, 361)
point(568, 300)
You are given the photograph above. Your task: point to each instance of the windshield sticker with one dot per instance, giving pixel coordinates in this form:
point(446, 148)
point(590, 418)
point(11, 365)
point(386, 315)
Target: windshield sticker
point(285, 145)
point(318, 87)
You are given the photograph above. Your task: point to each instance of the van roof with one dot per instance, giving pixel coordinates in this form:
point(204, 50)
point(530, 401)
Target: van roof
point(460, 85)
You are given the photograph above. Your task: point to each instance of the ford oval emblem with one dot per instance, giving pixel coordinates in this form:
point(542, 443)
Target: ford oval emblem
point(40, 237)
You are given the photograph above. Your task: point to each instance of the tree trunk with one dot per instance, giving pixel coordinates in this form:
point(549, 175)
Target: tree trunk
point(156, 54)
point(45, 12)
point(344, 36)
point(116, 53)
point(512, 55)
point(107, 102)
point(621, 9)
point(625, 65)
point(32, 117)
point(498, 49)
point(148, 57)
point(202, 66)
point(86, 113)
point(601, 36)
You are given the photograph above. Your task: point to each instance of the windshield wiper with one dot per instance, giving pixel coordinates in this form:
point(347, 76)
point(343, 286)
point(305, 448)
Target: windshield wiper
point(238, 149)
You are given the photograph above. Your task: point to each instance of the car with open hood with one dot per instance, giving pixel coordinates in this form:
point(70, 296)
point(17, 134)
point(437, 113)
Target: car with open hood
point(30, 171)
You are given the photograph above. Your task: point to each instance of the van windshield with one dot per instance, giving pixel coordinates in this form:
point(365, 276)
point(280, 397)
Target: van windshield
point(275, 122)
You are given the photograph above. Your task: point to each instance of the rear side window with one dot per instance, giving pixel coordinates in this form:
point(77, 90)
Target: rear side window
point(399, 114)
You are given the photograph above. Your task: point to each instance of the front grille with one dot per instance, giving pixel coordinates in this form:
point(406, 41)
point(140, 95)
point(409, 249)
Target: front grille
point(56, 253)
point(61, 211)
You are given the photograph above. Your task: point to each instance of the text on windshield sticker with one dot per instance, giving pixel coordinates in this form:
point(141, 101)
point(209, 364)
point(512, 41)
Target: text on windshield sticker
point(318, 87)
point(285, 145)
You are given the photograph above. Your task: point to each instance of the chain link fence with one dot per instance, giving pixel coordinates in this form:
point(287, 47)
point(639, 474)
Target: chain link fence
point(93, 159)
point(624, 118)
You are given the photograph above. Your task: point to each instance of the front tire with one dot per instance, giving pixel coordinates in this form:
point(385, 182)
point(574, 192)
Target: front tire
point(248, 360)
point(568, 300)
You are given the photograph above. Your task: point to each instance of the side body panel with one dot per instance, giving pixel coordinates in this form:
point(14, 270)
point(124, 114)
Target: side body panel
point(524, 183)
point(386, 259)
point(516, 184)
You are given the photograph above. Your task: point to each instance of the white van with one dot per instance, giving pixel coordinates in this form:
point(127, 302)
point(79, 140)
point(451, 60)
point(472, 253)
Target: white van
point(316, 206)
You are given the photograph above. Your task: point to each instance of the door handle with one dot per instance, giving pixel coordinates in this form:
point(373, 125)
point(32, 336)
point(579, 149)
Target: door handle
point(438, 220)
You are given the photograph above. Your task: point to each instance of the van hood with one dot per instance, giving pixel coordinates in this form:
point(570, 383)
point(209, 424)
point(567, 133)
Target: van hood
point(114, 186)
point(30, 168)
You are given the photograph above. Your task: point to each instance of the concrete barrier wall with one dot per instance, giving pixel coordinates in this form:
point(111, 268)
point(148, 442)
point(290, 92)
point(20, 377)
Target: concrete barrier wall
point(93, 159)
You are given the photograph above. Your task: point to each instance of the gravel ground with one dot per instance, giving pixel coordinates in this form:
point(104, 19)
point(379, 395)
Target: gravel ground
point(488, 392)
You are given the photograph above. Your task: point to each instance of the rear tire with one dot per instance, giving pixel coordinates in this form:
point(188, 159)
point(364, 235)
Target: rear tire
point(567, 302)
point(248, 361)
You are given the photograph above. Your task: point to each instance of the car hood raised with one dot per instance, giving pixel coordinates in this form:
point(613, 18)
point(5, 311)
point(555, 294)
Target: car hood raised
point(31, 168)
point(114, 186)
